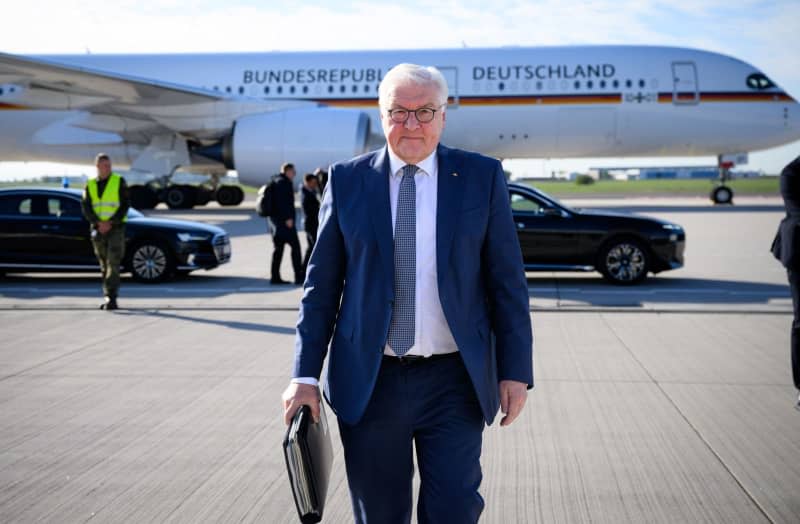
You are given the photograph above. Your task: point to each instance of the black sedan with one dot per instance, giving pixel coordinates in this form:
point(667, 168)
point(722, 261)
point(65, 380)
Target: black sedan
point(624, 248)
point(43, 229)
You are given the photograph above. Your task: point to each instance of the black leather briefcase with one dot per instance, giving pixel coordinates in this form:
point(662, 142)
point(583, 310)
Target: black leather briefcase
point(309, 454)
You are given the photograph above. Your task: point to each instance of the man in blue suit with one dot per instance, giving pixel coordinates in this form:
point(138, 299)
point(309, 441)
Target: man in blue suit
point(417, 282)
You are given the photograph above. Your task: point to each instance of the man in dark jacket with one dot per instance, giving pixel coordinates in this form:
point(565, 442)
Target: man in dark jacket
point(785, 248)
point(283, 225)
point(311, 209)
point(105, 205)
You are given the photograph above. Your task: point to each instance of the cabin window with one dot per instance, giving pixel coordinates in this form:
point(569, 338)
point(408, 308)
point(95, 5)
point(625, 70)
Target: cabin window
point(641, 83)
point(501, 86)
point(330, 89)
point(280, 89)
point(305, 89)
point(266, 90)
point(602, 84)
point(577, 84)
point(628, 83)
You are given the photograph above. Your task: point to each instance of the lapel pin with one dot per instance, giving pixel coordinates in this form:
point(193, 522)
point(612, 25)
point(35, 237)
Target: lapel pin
point(453, 174)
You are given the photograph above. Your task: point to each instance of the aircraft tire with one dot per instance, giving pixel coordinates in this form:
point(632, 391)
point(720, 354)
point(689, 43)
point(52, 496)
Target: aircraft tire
point(142, 197)
point(203, 196)
point(722, 195)
point(230, 195)
point(181, 197)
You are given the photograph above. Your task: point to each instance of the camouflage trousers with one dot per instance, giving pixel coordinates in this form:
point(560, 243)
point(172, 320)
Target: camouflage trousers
point(109, 249)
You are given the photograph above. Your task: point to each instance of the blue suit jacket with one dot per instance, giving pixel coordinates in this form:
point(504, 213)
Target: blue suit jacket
point(349, 286)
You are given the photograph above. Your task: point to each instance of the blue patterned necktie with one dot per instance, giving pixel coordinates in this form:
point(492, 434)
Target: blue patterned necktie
point(401, 330)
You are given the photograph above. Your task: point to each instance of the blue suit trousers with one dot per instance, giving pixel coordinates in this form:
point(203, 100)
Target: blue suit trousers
point(430, 406)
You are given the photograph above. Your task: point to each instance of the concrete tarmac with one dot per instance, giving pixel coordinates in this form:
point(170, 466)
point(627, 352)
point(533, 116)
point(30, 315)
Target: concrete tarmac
point(669, 402)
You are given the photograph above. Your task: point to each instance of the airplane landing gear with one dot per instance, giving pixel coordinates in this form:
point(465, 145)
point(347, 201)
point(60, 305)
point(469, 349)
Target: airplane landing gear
point(230, 195)
point(180, 197)
point(142, 197)
point(723, 194)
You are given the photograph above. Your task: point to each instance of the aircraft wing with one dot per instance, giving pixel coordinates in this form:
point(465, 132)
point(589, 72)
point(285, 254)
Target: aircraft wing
point(112, 88)
point(136, 109)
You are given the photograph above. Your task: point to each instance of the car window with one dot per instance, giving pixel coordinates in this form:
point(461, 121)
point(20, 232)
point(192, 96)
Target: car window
point(523, 203)
point(15, 205)
point(64, 207)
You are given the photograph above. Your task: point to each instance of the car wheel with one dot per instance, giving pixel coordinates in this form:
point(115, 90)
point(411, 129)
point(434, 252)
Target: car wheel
point(180, 197)
point(151, 262)
point(230, 195)
point(624, 261)
point(722, 195)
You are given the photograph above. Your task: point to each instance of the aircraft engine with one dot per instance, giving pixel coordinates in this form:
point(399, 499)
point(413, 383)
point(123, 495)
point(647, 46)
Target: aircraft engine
point(308, 138)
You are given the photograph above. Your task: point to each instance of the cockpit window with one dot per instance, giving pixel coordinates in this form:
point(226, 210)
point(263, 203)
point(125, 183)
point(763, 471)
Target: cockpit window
point(759, 81)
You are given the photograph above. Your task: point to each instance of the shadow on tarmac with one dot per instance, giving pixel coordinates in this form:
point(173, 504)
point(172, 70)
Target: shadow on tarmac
point(594, 291)
point(231, 324)
point(31, 285)
point(589, 289)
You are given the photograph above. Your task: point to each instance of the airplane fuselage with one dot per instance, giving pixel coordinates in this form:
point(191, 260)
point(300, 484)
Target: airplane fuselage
point(505, 102)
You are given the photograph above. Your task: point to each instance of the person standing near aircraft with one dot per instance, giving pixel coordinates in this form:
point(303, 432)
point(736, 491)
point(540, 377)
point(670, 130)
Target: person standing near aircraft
point(785, 247)
point(283, 222)
point(322, 176)
point(105, 205)
point(417, 278)
point(310, 204)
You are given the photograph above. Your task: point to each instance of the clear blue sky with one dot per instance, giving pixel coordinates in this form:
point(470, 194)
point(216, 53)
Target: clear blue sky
point(762, 33)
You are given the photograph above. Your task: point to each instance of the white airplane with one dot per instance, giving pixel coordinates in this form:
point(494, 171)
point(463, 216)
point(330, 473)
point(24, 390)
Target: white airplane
point(207, 113)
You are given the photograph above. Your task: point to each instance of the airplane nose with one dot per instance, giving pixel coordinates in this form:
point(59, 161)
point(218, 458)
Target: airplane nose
point(791, 117)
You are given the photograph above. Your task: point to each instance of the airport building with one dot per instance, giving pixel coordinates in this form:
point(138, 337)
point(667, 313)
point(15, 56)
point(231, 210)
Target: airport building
point(663, 172)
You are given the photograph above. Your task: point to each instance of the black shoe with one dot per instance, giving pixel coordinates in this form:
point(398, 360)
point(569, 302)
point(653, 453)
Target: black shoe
point(278, 281)
point(110, 304)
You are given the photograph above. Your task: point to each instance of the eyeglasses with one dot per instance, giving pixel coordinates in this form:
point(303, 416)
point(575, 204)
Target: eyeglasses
point(422, 114)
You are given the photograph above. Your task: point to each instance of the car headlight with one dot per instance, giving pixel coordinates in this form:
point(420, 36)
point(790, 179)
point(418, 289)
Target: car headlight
point(192, 237)
point(672, 227)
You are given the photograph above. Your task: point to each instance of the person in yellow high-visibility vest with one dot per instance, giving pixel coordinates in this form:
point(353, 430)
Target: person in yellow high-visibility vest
point(105, 205)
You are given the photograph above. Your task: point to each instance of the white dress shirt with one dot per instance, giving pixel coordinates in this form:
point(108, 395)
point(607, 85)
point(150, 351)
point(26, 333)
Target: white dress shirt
point(431, 333)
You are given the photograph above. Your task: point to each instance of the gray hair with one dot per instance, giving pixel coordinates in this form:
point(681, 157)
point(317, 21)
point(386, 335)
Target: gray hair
point(411, 74)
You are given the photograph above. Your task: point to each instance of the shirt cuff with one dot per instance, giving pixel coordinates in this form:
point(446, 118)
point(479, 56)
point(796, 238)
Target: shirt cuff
point(311, 381)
